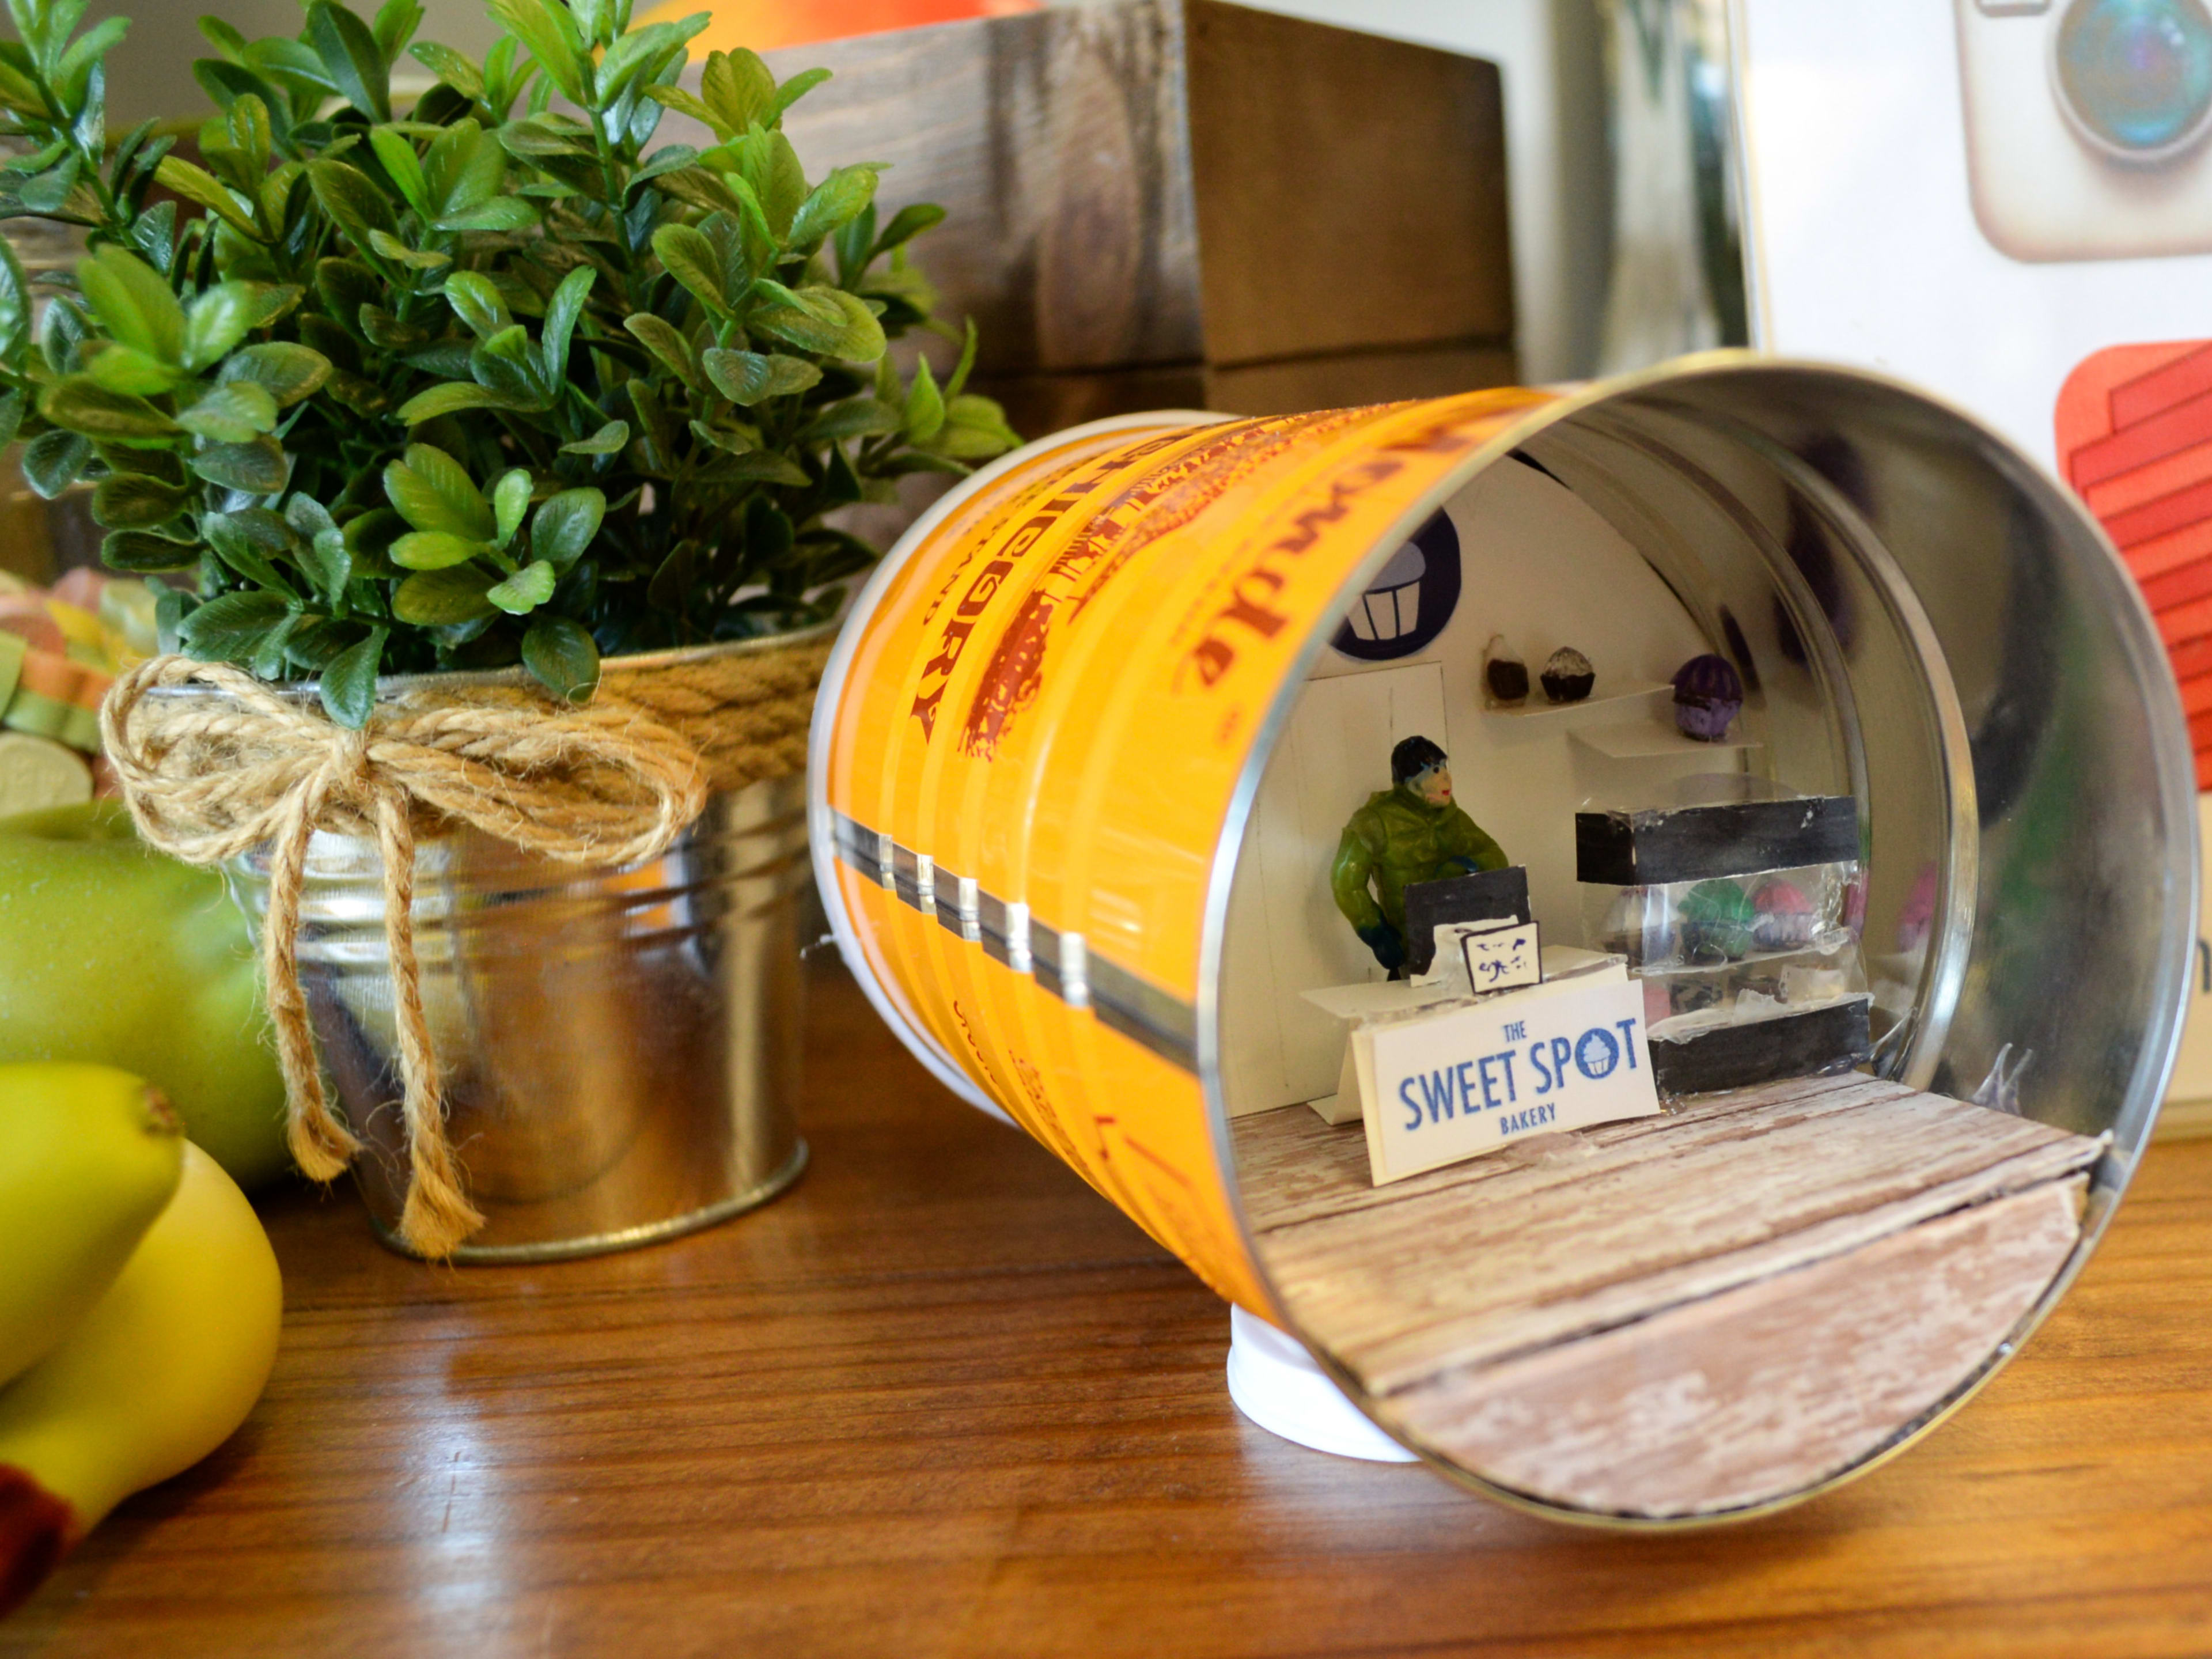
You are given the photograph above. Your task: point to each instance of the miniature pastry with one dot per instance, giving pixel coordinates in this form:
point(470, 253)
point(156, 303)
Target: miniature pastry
point(1708, 695)
point(1568, 675)
point(1786, 919)
point(1718, 917)
point(1505, 676)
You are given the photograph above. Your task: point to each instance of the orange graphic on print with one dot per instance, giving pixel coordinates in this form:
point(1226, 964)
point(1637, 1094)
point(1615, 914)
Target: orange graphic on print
point(2134, 439)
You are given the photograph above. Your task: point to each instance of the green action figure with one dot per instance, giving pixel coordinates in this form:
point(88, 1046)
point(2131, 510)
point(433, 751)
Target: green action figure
point(1408, 833)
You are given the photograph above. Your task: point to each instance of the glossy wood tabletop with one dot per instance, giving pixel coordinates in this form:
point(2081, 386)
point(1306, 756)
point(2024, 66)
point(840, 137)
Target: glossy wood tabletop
point(942, 1400)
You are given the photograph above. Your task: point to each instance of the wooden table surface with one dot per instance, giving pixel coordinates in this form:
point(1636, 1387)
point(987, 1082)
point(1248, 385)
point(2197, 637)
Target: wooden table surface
point(942, 1400)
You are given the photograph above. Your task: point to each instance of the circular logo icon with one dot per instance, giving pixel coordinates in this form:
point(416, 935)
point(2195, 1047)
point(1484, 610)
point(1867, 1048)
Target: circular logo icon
point(1409, 601)
point(1596, 1053)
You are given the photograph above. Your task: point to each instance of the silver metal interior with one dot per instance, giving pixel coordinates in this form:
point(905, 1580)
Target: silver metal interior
point(1926, 621)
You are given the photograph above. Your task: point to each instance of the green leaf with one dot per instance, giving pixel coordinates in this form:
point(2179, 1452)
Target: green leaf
point(564, 526)
point(347, 685)
point(834, 202)
point(350, 197)
point(15, 311)
point(761, 466)
point(796, 88)
point(563, 657)
point(72, 74)
point(749, 377)
point(908, 222)
point(53, 460)
point(958, 383)
point(975, 431)
point(449, 66)
point(610, 440)
point(258, 467)
point(233, 413)
point(440, 598)
point(502, 213)
point(924, 406)
point(122, 368)
point(405, 167)
point(476, 301)
point(351, 57)
point(129, 296)
point(81, 404)
point(287, 372)
point(551, 36)
point(510, 501)
point(856, 417)
point(219, 319)
point(524, 592)
point(561, 313)
point(666, 342)
point(824, 320)
point(50, 192)
point(415, 258)
point(690, 258)
point(231, 627)
point(452, 398)
point(433, 491)
point(132, 500)
point(13, 407)
point(231, 536)
point(198, 185)
point(433, 549)
point(739, 89)
point(323, 555)
point(141, 553)
point(737, 443)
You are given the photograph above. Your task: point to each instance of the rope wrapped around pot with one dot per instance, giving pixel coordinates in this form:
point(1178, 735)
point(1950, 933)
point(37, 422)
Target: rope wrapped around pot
point(236, 765)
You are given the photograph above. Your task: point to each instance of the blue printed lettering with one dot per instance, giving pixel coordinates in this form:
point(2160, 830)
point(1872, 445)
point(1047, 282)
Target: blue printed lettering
point(1628, 1040)
point(1406, 1094)
point(1543, 1072)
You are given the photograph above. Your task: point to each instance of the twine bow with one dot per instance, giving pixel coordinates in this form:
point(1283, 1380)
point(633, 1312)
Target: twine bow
point(235, 766)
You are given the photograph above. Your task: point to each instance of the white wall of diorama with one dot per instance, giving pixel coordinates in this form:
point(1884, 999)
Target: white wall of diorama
point(1539, 567)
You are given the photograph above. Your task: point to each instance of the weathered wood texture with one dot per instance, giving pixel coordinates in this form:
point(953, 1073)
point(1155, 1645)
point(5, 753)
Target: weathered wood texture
point(943, 1402)
point(1161, 203)
point(1780, 1274)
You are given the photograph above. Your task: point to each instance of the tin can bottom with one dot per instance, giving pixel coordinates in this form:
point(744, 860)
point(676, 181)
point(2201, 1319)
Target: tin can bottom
point(624, 1238)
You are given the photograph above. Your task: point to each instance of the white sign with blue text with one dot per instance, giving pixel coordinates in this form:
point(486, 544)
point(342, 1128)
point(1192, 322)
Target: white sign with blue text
point(1469, 1080)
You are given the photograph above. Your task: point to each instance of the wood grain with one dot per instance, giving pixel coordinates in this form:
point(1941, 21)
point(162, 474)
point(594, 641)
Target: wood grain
point(1789, 1379)
point(1162, 203)
point(943, 1401)
point(1652, 1317)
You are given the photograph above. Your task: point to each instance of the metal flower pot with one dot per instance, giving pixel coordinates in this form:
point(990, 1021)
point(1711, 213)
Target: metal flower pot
point(620, 1045)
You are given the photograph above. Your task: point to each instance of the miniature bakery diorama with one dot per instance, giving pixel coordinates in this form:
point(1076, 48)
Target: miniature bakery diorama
point(1651, 1087)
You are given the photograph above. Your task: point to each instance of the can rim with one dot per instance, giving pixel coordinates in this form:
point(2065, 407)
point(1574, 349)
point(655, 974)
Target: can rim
point(2140, 1102)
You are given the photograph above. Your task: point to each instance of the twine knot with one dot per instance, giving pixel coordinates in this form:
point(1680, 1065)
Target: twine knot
point(224, 765)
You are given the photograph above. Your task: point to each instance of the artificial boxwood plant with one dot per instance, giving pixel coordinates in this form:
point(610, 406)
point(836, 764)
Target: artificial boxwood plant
point(486, 379)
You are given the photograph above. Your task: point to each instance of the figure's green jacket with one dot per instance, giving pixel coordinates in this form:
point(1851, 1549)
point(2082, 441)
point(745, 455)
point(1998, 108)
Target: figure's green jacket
point(1398, 839)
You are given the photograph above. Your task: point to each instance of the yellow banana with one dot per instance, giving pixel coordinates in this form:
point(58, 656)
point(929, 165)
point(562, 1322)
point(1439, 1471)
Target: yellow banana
point(88, 1157)
point(157, 1377)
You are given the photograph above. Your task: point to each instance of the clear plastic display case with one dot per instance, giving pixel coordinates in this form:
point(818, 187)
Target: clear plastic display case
point(1738, 916)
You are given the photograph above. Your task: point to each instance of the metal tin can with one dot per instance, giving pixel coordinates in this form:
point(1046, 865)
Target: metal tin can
point(1040, 743)
point(620, 1046)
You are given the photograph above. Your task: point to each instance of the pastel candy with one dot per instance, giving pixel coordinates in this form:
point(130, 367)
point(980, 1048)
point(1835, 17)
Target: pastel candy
point(36, 774)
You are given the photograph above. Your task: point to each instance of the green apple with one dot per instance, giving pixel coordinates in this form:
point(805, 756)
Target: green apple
point(113, 953)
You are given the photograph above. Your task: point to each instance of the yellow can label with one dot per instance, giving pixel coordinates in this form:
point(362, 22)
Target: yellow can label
point(1036, 747)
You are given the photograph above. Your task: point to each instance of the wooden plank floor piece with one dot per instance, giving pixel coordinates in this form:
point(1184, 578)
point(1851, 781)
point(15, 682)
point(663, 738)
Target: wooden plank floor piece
point(1767, 1389)
point(1596, 1229)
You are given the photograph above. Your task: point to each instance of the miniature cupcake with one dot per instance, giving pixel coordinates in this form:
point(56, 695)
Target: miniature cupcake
point(1504, 675)
point(1708, 695)
point(1717, 919)
point(1568, 675)
point(1786, 920)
